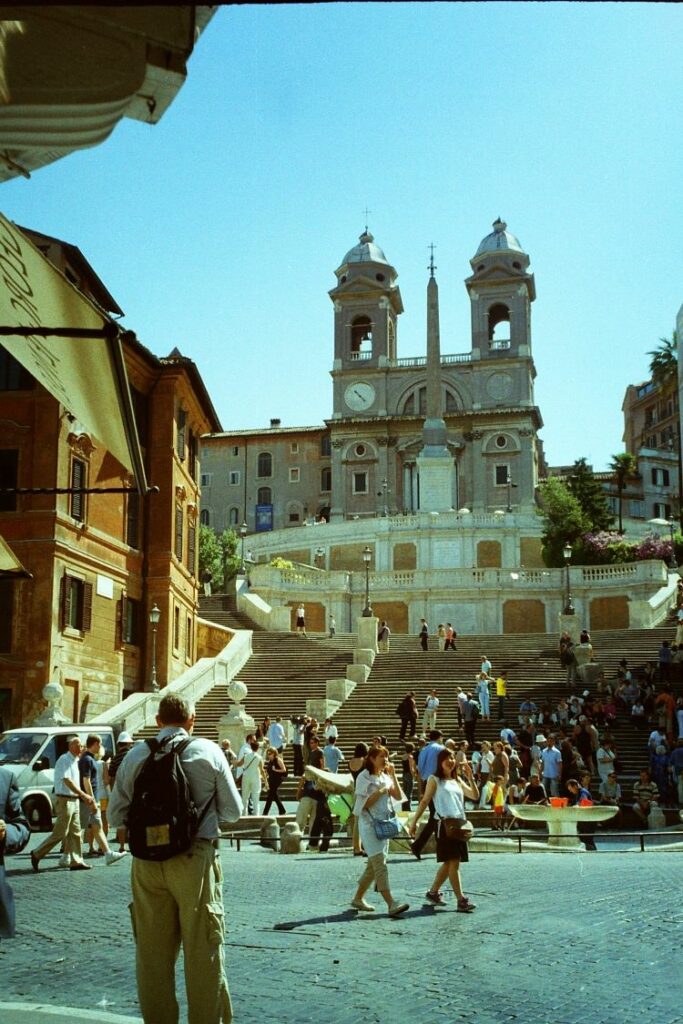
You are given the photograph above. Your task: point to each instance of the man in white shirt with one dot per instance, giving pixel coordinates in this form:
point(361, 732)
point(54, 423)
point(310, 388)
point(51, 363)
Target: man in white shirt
point(552, 767)
point(330, 730)
point(276, 735)
point(431, 708)
point(180, 900)
point(605, 758)
point(67, 828)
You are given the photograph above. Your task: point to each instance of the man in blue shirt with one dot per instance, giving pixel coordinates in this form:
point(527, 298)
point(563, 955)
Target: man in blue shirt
point(426, 766)
point(332, 754)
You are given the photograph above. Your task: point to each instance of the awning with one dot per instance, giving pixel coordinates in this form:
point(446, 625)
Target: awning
point(87, 375)
point(10, 564)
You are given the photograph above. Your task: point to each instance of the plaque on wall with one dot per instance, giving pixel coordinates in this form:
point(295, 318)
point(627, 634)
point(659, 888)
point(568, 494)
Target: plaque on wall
point(499, 386)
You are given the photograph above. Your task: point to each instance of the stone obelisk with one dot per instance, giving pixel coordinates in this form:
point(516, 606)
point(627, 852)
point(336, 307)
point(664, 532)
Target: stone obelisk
point(434, 463)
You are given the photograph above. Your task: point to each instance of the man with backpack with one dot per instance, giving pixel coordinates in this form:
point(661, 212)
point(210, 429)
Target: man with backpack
point(168, 799)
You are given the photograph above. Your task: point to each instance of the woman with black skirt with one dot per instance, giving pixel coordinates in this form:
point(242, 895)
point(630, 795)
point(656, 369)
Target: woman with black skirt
point(276, 770)
point(448, 792)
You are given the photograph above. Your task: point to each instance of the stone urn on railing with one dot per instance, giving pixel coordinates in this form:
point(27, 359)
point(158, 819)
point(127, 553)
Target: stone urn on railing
point(52, 715)
point(235, 725)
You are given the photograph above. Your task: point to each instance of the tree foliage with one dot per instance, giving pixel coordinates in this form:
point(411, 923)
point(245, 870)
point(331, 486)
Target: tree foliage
point(563, 519)
point(592, 499)
point(664, 363)
point(218, 555)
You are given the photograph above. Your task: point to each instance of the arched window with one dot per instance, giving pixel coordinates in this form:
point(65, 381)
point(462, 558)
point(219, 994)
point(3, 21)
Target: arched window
point(204, 517)
point(499, 325)
point(233, 516)
point(265, 464)
point(264, 496)
point(361, 338)
point(326, 479)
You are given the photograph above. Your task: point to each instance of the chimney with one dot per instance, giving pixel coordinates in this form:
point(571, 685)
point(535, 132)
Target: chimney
point(275, 422)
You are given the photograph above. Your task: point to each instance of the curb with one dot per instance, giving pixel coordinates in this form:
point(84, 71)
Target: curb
point(44, 1013)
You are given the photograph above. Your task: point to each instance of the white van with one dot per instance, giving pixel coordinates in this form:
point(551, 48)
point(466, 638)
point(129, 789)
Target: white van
point(31, 753)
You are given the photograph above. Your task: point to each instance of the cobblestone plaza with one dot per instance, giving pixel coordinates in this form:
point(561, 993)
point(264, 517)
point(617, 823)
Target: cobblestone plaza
point(555, 939)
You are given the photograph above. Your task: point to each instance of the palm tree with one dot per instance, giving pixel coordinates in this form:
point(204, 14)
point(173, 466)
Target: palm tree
point(623, 465)
point(664, 363)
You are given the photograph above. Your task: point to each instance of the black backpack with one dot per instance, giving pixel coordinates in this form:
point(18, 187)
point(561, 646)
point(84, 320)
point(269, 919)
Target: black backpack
point(162, 818)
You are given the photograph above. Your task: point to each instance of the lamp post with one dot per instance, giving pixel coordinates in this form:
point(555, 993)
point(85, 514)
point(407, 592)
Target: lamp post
point(568, 605)
point(385, 491)
point(243, 533)
point(367, 558)
point(672, 559)
point(154, 616)
point(320, 557)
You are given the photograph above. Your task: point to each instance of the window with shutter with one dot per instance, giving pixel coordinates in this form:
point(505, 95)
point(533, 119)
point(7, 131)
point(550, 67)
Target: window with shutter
point(78, 478)
point(179, 534)
point(191, 548)
point(180, 434)
point(75, 603)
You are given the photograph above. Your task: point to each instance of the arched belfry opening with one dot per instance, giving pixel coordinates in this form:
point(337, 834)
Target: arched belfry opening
point(499, 324)
point(361, 338)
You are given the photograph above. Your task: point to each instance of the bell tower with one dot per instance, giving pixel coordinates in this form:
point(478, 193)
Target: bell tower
point(367, 304)
point(501, 291)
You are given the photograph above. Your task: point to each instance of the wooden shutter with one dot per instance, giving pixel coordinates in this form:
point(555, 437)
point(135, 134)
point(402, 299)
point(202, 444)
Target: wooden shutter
point(180, 441)
point(191, 547)
point(179, 533)
point(65, 601)
point(87, 607)
point(78, 480)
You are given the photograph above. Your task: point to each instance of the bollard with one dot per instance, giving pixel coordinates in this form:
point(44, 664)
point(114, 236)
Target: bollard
point(290, 838)
point(270, 833)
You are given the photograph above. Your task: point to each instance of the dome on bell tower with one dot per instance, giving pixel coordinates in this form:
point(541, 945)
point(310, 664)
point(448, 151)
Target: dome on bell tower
point(500, 240)
point(366, 251)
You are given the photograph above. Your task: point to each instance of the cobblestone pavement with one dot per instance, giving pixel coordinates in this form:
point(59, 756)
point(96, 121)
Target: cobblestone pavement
point(591, 938)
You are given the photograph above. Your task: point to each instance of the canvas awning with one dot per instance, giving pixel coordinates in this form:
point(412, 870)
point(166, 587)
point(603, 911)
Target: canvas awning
point(9, 563)
point(87, 374)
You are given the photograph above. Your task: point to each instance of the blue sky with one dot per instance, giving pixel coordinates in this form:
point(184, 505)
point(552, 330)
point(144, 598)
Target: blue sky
point(219, 229)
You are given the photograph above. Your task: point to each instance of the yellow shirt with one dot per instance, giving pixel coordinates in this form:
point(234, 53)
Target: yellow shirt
point(501, 687)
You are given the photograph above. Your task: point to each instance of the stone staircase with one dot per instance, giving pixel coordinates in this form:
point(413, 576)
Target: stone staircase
point(287, 670)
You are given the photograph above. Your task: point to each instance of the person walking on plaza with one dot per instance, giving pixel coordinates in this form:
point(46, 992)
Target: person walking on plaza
point(301, 620)
point(180, 900)
point(67, 827)
point(430, 711)
point(383, 636)
point(426, 767)
point(14, 835)
point(501, 693)
point(449, 642)
point(424, 635)
point(332, 627)
point(90, 814)
point(446, 790)
point(375, 785)
point(276, 771)
point(276, 735)
point(253, 777)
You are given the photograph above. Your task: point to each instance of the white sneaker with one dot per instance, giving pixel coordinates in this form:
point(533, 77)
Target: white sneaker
point(64, 860)
point(112, 858)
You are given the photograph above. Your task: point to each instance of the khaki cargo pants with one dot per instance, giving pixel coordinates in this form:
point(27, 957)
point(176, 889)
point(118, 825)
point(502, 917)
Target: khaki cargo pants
point(181, 901)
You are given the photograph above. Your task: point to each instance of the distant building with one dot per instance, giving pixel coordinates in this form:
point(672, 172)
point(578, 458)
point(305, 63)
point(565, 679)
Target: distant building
point(364, 461)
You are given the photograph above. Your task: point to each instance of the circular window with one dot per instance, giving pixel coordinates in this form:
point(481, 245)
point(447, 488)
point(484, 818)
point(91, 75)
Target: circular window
point(343, 280)
point(360, 450)
point(501, 441)
point(380, 277)
point(480, 267)
point(516, 265)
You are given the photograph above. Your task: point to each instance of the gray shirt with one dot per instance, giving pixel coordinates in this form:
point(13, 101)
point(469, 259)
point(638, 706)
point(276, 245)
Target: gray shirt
point(207, 773)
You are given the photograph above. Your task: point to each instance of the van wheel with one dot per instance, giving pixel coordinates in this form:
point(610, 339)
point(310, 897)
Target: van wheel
point(36, 815)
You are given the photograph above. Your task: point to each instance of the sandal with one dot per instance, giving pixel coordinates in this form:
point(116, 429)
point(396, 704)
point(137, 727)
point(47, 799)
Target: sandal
point(464, 906)
point(435, 897)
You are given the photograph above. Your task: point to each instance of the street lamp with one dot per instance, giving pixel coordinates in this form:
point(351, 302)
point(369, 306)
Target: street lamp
point(154, 616)
point(672, 560)
point(568, 606)
point(367, 558)
point(383, 494)
point(320, 557)
point(243, 533)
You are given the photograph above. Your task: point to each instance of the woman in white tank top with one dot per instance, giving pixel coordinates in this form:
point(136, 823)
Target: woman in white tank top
point(448, 792)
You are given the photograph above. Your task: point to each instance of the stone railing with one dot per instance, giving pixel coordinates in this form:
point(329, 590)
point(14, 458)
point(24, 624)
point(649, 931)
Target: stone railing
point(139, 710)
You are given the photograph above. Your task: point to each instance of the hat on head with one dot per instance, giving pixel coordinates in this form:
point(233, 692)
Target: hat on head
point(125, 737)
point(541, 738)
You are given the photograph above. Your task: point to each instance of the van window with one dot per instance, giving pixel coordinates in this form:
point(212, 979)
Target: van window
point(20, 748)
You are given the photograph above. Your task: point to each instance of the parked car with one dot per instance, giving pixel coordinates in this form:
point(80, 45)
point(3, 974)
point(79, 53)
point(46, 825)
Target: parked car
point(31, 754)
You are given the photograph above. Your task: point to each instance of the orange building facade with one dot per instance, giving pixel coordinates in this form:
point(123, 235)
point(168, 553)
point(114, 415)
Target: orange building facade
point(99, 561)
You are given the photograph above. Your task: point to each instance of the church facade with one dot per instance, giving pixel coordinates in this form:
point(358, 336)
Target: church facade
point(365, 461)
